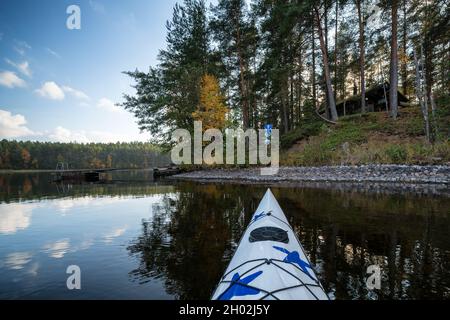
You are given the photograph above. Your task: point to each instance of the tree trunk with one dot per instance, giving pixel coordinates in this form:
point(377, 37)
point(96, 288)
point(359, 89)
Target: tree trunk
point(330, 95)
point(325, 18)
point(425, 94)
point(243, 86)
point(299, 85)
point(291, 102)
point(254, 98)
point(434, 116)
point(325, 31)
point(335, 51)
point(314, 67)
point(404, 70)
point(429, 67)
point(421, 94)
point(393, 91)
point(284, 105)
point(362, 57)
point(427, 51)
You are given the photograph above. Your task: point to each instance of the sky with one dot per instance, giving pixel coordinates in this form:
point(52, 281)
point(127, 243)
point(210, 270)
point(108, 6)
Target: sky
point(58, 84)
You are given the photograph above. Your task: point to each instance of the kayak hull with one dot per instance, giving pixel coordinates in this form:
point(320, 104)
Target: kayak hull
point(269, 263)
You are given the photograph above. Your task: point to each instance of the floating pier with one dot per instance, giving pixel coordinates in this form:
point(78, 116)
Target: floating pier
point(88, 175)
point(63, 173)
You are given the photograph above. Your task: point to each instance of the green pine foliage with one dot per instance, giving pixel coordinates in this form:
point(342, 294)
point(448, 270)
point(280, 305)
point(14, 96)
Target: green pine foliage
point(269, 59)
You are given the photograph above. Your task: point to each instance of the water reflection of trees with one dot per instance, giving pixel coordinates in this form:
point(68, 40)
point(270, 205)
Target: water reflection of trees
point(192, 235)
point(38, 186)
point(190, 239)
point(346, 232)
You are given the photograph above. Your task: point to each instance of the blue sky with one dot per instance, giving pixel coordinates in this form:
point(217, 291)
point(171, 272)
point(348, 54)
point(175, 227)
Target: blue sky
point(58, 84)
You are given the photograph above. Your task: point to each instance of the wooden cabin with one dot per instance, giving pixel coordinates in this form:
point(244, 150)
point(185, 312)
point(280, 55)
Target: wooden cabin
point(375, 101)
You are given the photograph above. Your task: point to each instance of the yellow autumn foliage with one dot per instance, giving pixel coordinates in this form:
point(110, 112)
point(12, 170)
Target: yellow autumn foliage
point(212, 109)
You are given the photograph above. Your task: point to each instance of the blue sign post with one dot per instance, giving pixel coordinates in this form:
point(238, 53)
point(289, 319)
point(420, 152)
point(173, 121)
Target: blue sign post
point(268, 134)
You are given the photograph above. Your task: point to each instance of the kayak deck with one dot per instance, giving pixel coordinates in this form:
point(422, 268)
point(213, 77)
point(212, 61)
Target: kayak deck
point(269, 263)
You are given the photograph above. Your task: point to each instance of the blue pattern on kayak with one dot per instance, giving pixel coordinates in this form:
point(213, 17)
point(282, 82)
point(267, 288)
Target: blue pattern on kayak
point(238, 290)
point(258, 216)
point(294, 257)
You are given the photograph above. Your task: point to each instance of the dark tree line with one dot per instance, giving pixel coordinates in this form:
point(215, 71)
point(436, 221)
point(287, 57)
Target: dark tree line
point(285, 62)
point(46, 155)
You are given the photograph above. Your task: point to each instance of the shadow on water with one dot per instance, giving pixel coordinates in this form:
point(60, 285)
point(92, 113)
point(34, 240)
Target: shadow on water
point(191, 238)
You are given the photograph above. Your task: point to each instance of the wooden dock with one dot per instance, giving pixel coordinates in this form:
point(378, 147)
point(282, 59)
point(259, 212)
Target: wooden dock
point(89, 175)
point(62, 173)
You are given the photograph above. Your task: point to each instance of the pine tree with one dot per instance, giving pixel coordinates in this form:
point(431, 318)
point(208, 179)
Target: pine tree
point(168, 94)
point(393, 90)
point(362, 56)
point(326, 66)
point(277, 61)
point(235, 33)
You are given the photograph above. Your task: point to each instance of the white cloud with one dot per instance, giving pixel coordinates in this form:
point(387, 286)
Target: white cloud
point(65, 206)
point(115, 233)
point(23, 67)
point(20, 51)
point(23, 44)
point(21, 47)
point(84, 245)
point(15, 217)
point(108, 105)
point(13, 126)
point(51, 90)
point(53, 53)
point(107, 137)
point(17, 260)
point(75, 93)
point(10, 79)
point(57, 249)
point(33, 270)
point(61, 134)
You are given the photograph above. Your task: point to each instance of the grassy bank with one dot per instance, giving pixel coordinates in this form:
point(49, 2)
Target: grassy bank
point(372, 138)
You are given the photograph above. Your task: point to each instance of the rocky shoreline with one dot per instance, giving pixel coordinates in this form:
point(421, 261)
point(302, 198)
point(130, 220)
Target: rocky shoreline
point(368, 173)
point(424, 180)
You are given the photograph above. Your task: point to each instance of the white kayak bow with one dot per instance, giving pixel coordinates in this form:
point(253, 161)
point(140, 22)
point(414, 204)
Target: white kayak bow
point(269, 263)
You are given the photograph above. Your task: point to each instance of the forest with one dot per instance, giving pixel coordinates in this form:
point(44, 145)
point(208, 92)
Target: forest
point(16, 155)
point(293, 63)
point(355, 81)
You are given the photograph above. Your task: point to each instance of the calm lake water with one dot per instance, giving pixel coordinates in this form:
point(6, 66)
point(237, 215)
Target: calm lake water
point(173, 240)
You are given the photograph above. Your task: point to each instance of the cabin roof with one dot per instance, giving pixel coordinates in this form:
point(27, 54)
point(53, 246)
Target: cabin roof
point(374, 92)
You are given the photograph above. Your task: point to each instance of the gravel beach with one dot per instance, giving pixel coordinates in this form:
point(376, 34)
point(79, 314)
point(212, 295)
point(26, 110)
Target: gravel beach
point(403, 174)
